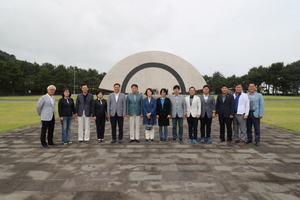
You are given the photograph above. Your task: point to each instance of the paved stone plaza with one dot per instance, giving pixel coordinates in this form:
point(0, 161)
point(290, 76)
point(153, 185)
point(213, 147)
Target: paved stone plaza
point(149, 171)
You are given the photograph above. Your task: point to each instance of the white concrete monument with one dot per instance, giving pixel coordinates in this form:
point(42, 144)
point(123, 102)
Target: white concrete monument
point(153, 69)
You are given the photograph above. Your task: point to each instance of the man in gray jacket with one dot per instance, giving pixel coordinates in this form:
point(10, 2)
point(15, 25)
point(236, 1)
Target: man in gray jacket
point(207, 113)
point(178, 113)
point(46, 109)
point(116, 108)
point(84, 104)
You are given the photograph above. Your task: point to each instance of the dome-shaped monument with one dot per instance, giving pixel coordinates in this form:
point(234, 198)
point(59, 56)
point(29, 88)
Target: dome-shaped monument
point(153, 69)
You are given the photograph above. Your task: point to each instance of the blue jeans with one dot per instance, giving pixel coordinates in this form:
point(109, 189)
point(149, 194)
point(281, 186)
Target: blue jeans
point(178, 120)
point(66, 124)
point(256, 123)
point(163, 134)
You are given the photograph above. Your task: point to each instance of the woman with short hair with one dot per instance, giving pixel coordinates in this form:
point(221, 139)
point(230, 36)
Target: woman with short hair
point(66, 111)
point(149, 117)
point(99, 113)
point(163, 114)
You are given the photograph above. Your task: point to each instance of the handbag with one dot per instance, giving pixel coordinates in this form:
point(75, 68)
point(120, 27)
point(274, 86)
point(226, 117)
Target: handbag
point(149, 126)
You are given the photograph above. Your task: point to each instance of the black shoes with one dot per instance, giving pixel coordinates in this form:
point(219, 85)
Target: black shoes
point(138, 141)
point(130, 141)
point(120, 141)
point(52, 144)
point(248, 142)
point(180, 140)
point(257, 143)
point(113, 141)
point(45, 146)
point(80, 141)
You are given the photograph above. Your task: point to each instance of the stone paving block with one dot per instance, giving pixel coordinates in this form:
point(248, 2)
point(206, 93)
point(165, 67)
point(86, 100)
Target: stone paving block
point(204, 186)
point(232, 186)
point(40, 185)
point(177, 176)
point(144, 196)
point(163, 186)
point(73, 174)
point(51, 195)
point(286, 176)
point(251, 176)
point(39, 175)
point(92, 167)
point(184, 195)
point(98, 195)
point(140, 176)
point(92, 185)
point(20, 195)
point(71, 185)
point(161, 167)
point(193, 168)
point(290, 161)
point(111, 175)
point(267, 161)
point(268, 155)
point(276, 196)
point(209, 161)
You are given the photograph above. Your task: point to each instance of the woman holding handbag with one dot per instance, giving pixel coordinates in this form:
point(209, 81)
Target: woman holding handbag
point(149, 117)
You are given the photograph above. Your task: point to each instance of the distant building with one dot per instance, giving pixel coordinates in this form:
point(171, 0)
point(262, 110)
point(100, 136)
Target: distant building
point(153, 69)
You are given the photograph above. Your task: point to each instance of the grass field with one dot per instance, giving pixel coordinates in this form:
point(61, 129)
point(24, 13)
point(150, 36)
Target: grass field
point(285, 114)
point(16, 114)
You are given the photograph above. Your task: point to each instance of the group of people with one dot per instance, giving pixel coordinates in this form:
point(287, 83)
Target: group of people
point(244, 110)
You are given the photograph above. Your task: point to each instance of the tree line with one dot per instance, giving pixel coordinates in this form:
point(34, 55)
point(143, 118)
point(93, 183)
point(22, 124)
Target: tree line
point(275, 79)
point(24, 78)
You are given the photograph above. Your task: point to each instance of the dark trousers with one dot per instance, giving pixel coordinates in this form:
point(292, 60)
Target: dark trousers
point(193, 127)
point(256, 123)
point(100, 124)
point(47, 125)
point(114, 121)
point(205, 122)
point(228, 122)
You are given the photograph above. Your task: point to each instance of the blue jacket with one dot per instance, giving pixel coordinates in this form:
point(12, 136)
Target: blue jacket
point(258, 105)
point(134, 107)
point(149, 108)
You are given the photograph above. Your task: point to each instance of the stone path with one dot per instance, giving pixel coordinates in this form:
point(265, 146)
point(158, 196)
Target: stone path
point(149, 171)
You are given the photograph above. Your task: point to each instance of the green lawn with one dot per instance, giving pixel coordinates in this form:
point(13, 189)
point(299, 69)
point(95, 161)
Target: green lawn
point(15, 114)
point(284, 114)
point(280, 97)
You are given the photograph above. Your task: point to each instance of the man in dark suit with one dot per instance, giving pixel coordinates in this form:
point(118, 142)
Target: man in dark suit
point(84, 103)
point(116, 108)
point(225, 112)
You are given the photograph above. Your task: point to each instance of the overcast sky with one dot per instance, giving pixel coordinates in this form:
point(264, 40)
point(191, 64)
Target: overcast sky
point(215, 35)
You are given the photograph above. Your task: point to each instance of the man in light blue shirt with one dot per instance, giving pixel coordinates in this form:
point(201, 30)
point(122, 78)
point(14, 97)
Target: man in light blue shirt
point(255, 114)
